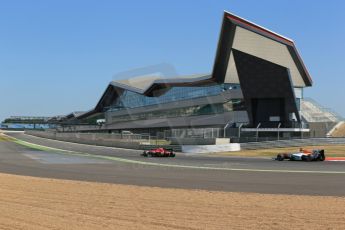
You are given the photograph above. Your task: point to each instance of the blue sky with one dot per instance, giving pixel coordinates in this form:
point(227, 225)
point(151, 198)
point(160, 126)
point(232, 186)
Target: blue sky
point(59, 56)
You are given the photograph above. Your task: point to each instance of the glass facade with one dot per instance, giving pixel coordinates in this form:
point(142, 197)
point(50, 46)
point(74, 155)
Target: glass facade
point(130, 99)
point(209, 109)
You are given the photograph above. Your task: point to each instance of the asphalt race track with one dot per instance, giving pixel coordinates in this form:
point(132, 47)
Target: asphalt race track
point(121, 166)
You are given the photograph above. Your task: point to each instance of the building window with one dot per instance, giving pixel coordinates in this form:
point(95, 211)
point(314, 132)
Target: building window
point(129, 99)
point(209, 109)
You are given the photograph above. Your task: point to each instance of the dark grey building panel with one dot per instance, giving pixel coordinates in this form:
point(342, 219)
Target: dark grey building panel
point(267, 90)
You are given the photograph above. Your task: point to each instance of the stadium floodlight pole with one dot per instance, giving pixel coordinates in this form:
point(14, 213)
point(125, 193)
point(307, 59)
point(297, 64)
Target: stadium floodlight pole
point(257, 132)
point(278, 129)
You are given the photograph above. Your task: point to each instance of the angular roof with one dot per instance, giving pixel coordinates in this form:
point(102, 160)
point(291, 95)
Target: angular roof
point(143, 85)
point(74, 114)
point(243, 35)
point(236, 34)
point(146, 84)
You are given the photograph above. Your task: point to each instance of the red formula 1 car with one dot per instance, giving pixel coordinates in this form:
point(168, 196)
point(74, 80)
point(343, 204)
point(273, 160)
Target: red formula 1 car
point(159, 152)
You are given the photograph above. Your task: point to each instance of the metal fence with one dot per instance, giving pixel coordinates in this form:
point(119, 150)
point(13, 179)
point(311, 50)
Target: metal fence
point(143, 139)
point(260, 139)
point(293, 143)
point(130, 141)
point(195, 133)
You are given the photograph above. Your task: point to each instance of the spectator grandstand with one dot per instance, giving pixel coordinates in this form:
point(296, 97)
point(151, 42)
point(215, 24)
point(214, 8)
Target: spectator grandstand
point(312, 111)
point(321, 121)
point(25, 122)
point(338, 130)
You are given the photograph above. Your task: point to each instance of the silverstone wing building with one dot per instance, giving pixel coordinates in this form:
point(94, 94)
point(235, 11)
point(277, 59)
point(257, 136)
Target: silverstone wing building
point(257, 82)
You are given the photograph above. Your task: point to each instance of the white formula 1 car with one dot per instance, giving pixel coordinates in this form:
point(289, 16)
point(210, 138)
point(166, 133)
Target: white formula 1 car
point(303, 155)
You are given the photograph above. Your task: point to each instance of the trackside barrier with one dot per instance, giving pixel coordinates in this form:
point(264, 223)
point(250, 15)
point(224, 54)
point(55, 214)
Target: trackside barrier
point(110, 140)
point(292, 143)
point(176, 148)
point(132, 143)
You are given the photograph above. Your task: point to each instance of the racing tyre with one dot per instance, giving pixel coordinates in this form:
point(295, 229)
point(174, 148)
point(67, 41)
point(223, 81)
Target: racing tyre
point(322, 156)
point(306, 158)
point(280, 157)
point(309, 158)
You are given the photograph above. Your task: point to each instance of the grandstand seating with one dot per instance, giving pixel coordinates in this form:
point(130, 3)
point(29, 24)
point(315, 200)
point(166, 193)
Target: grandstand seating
point(338, 130)
point(312, 111)
point(322, 121)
